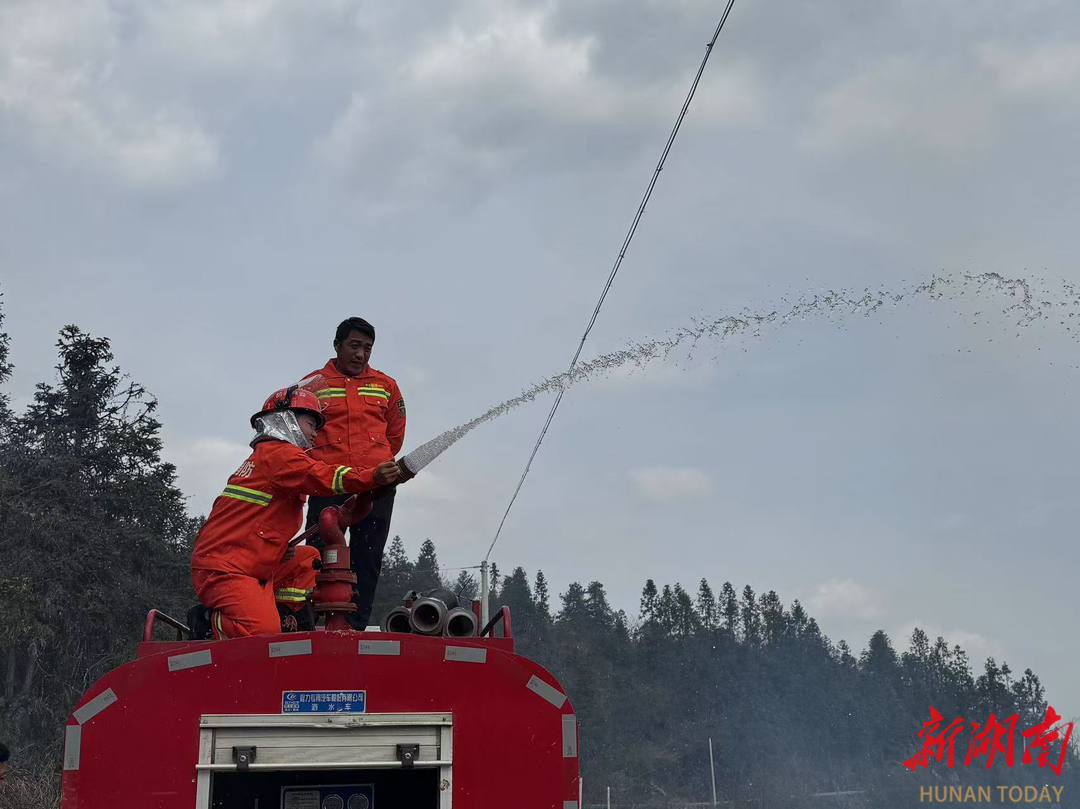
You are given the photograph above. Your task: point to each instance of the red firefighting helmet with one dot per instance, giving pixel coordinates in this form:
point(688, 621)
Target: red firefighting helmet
point(293, 398)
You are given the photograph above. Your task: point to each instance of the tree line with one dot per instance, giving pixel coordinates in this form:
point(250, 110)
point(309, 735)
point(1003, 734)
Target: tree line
point(790, 713)
point(94, 531)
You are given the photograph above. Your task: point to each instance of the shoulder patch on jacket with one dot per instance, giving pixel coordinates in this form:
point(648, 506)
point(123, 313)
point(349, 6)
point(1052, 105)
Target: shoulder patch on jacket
point(401, 406)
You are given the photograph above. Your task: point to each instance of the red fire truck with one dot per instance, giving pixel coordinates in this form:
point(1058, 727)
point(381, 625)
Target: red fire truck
point(329, 719)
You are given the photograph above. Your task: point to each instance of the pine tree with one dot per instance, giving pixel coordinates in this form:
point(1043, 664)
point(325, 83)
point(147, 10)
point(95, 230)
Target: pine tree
point(81, 474)
point(707, 609)
point(685, 620)
point(597, 608)
point(1029, 696)
point(799, 619)
point(395, 580)
point(426, 575)
point(649, 611)
point(5, 374)
point(993, 689)
point(540, 593)
point(396, 558)
point(773, 620)
point(574, 606)
point(729, 608)
point(667, 610)
point(517, 595)
point(622, 628)
point(879, 658)
point(516, 590)
point(751, 618)
point(846, 658)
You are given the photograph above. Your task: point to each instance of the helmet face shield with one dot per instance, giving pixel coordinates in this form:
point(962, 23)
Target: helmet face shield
point(281, 425)
point(313, 384)
point(312, 392)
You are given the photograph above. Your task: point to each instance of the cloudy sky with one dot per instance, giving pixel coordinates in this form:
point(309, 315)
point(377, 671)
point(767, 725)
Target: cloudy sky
point(215, 185)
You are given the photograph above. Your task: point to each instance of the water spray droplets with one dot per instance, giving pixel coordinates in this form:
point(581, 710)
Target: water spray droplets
point(835, 305)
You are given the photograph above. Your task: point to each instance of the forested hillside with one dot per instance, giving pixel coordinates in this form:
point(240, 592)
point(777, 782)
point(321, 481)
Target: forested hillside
point(790, 713)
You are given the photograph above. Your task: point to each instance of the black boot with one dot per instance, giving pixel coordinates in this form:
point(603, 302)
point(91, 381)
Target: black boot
point(198, 621)
point(301, 620)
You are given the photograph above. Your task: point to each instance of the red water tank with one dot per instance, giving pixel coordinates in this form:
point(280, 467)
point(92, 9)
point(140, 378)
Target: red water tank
point(324, 720)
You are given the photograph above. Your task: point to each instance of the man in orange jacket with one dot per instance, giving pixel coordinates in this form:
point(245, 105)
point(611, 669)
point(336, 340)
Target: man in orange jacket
point(248, 580)
point(365, 425)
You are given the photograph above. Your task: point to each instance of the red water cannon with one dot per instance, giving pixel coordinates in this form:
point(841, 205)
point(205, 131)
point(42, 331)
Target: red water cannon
point(334, 584)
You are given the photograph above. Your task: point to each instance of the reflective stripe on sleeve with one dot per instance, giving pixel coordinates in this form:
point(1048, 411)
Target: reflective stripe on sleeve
point(247, 495)
point(339, 479)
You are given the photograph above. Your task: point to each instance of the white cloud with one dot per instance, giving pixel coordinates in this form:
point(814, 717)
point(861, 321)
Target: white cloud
point(734, 95)
point(512, 47)
point(454, 94)
point(62, 95)
point(662, 484)
point(907, 101)
point(468, 102)
point(491, 92)
point(948, 105)
point(1046, 71)
point(247, 36)
point(218, 34)
point(843, 598)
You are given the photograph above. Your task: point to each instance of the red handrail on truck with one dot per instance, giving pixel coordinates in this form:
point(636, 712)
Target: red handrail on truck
point(156, 615)
point(504, 614)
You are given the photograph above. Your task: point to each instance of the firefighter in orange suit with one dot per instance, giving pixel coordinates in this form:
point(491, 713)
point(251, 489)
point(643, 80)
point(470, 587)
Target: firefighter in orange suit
point(365, 425)
point(248, 580)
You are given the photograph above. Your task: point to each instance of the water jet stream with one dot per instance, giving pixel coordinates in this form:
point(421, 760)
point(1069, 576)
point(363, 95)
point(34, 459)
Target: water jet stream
point(833, 304)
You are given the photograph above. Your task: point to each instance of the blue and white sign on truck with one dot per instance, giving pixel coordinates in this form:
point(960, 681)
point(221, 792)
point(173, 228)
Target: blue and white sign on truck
point(323, 701)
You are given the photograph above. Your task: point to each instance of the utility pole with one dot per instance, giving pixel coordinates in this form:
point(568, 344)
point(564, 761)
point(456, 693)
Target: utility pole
point(609, 798)
point(712, 772)
point(484, 593)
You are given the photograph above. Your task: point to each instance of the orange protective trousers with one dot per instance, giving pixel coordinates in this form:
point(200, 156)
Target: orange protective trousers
point(243, 605)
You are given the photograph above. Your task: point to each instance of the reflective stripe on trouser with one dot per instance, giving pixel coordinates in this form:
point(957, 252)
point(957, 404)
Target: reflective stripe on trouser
point(242, 605)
